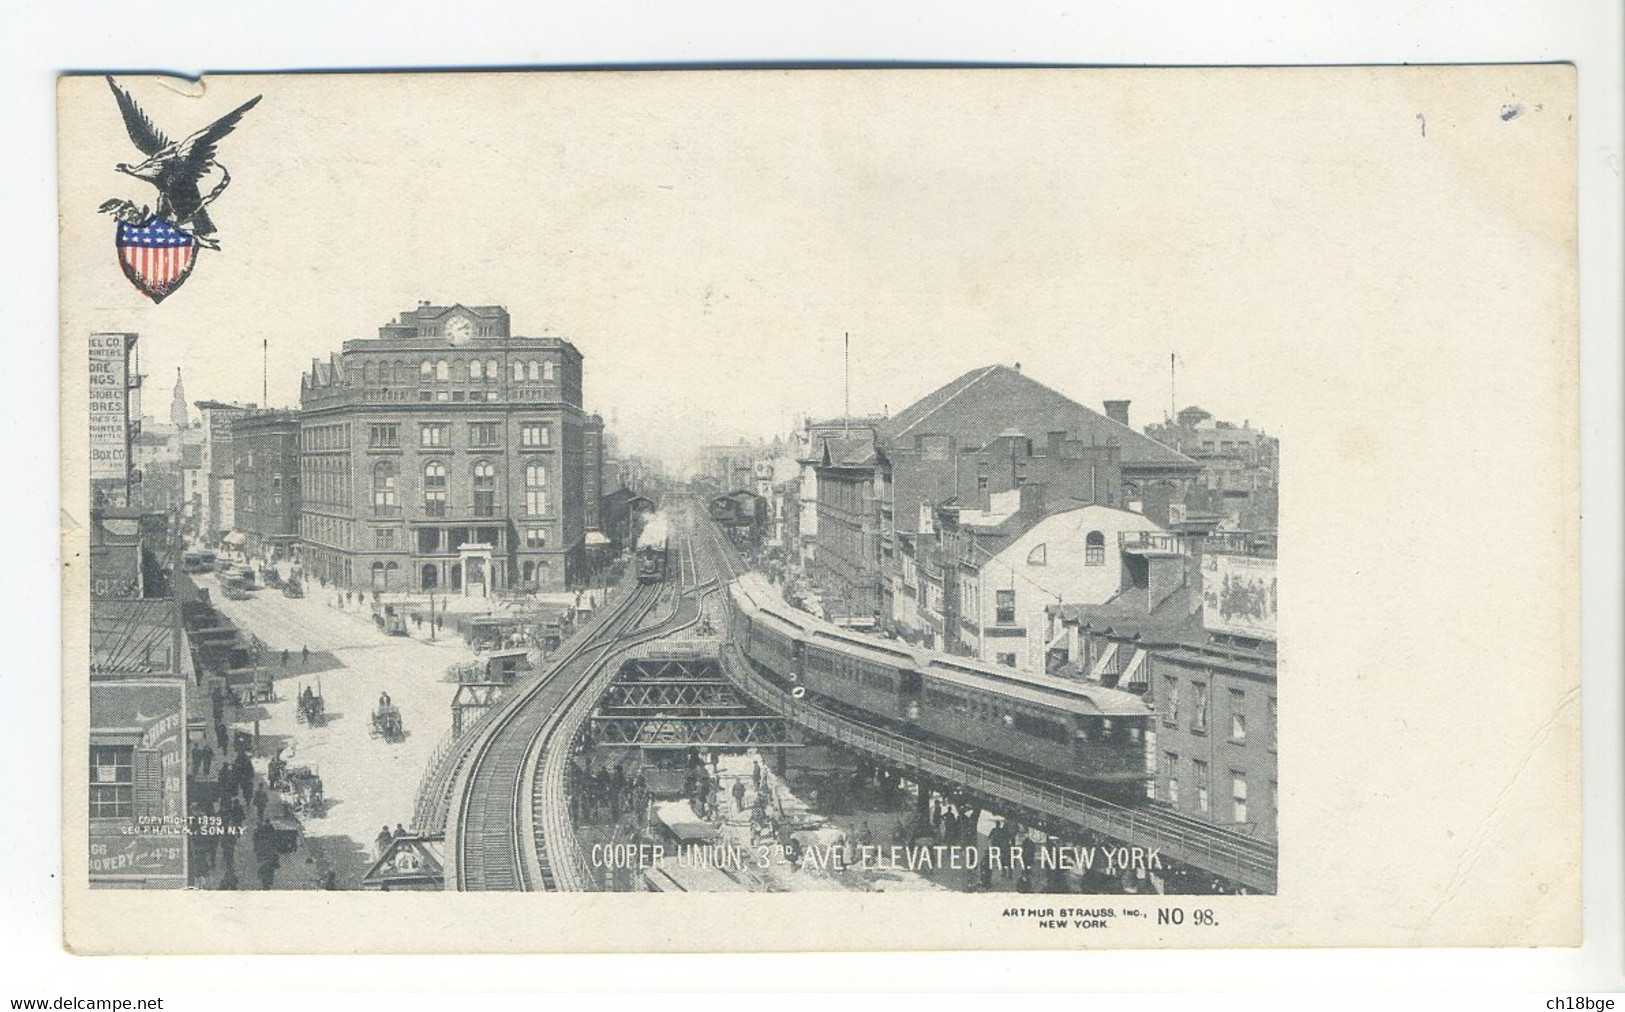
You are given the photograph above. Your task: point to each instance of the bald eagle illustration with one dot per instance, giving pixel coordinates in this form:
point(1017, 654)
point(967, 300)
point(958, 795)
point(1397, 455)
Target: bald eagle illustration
point(176, 169)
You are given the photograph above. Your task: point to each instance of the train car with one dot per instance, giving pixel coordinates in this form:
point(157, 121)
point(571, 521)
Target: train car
point(1075, 730)
point(766, 635)
point(651, 549)
point(1068, 731)
point(863, 672)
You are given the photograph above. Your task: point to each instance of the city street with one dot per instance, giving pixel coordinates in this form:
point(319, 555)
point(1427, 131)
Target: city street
point(368, 783)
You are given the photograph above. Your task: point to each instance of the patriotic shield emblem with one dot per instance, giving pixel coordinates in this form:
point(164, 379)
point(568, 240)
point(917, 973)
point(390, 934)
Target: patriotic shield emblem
point(156, 256)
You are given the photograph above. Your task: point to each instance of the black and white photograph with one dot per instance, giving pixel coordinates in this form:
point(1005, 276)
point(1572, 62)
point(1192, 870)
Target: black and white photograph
point(861, 493)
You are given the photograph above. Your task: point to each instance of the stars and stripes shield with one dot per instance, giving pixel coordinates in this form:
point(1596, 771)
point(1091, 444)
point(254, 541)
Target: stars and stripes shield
point(156, 256)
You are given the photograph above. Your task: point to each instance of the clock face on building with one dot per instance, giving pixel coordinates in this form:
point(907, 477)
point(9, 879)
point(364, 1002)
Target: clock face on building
point(460, 329)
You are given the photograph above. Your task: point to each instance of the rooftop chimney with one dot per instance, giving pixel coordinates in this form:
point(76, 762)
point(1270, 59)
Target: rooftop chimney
point(1117, 411)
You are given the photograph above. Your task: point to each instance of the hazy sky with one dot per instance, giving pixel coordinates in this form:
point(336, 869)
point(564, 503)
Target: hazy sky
point(706, 239)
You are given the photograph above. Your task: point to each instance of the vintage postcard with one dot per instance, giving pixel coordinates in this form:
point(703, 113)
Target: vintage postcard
point(837, 510)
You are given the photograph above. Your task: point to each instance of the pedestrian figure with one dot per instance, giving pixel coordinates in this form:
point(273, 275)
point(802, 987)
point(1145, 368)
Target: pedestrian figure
point(268, 869)
point(260, 799)
point(284, 656)
point(739, 794)
point(400, 830)
point(304, 656)
point(220, 738)
point(205, 758)
point(331, 881)
point(383, 840)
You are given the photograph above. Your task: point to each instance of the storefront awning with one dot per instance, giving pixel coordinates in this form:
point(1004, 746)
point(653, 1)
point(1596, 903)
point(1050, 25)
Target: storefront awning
point(1103, 662)
point(1134, 674)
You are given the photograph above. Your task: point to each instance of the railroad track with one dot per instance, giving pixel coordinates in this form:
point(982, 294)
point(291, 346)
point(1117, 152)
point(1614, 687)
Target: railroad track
point(483, 826)
point(1240, 851)
point(509, 824)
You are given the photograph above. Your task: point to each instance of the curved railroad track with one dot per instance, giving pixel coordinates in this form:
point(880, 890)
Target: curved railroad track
point(508, 825)
point(1237, 850)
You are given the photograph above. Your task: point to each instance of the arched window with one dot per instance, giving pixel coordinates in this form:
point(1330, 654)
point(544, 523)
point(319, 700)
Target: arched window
point(1094, 549)
point(369, 373)
point(485, 489)
point(491, 373)
point(518, 372)
point(1038, 556)
point(528, 572)
point(383, 485)
point(474, 369)
point(536, 489)
point(547, 370)
point(442, 372)
point(535, 371)
point(426, 370)
point(434, 489)
point(383, 374)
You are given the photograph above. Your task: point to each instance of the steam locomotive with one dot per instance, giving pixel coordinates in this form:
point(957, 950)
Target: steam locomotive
point(651, 548)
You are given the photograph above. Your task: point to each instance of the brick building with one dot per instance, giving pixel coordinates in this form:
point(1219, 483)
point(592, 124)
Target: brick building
point(219, 504)
point(990, 431)
point(266, 481)
point(1193, 629)
point(446, 454)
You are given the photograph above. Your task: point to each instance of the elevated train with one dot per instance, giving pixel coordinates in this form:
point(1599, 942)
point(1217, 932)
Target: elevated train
point(651, 548)
point(1067, 732)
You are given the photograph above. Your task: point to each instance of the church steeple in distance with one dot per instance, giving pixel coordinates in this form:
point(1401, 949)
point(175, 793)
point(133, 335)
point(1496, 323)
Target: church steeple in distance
point(177, 408)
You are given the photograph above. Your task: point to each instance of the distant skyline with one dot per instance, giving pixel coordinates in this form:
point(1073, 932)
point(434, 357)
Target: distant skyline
point(705, 239)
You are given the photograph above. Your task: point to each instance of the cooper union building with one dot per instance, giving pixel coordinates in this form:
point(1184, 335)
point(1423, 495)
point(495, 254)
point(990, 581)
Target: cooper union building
point(448, 455)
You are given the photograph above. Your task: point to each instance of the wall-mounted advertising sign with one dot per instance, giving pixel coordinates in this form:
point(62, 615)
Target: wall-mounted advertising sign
point(1238, 595)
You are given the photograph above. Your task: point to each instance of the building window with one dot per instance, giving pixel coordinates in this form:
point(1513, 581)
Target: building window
point(547, 370)
point(483, 433)
point(442, 371)
point(1038, 556)
point(426, 370)
point(1004, 606)
point(535, 434)
point(1269, 725)
point(1094, 549)
point(383, 537)
point(383, 485)
point(518, 372)
point(384, 437)
point(1170, 692)
point(1238, 718)
point(1199, 709)
point(491, 372)
point(1008, 660)
point(1199, 774)
point(474, 370)
point(432, 434)
point(535, 537)
point(1238, 796)
point(485, 489)
point(112, 781)
point(535, 372)
point(434, 489)
point(536, 489)
point(1170, 773)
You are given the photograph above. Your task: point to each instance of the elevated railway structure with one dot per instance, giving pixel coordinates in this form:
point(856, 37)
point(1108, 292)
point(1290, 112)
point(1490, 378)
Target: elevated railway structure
point(1057, 808)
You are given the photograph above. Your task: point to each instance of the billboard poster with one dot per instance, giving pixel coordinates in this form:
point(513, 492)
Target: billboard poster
point(137, 782)
point(1238, 595)
point(109, 414)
